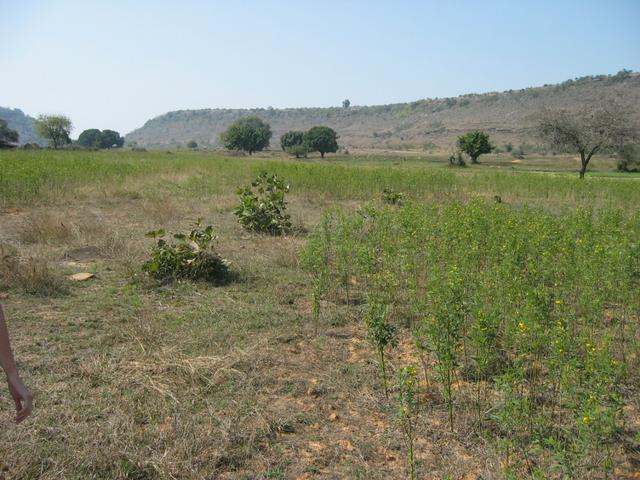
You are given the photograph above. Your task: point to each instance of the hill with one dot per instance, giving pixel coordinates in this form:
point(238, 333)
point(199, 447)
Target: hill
point(23, 124)
point(424, 124)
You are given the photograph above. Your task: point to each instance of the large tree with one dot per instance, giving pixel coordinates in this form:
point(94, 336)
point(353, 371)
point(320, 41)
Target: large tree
point(8, 137)
point(474, 144)
point(55, 128)
point(321, 139)
point(90, 138)
point(111, 139)
point(250, 134)
point(587, 131)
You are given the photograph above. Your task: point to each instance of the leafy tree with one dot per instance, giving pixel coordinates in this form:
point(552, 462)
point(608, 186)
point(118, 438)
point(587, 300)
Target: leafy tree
point(346, 103)
point(475, 144)
point(586, 131)
point(321, 139)
point(250, 134)
point(55, 128)
point(91, 138)
point(292, 142)
point(110, 139)
point(94, 138)
point(8, 137)
point(192, 144)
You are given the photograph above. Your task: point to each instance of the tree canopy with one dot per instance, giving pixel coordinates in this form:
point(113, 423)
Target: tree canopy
point(8, 137)
point(474, 144)
point(595, 128)
point(321, 139)
point(55, 128)
point(292, 142)
point(94, 138)
point(250, 134)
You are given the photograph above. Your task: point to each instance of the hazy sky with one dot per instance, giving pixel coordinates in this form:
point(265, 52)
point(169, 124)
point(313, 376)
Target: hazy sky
point(115, 64)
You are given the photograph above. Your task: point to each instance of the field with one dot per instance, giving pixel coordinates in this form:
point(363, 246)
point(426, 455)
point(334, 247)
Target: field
point(509, 294)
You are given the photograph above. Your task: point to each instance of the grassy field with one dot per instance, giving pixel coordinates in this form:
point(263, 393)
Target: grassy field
point(274, 376)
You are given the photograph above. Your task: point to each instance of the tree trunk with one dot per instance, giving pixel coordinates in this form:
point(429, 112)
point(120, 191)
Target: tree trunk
point(474, 160)
point(583, 164)
point(321, 154)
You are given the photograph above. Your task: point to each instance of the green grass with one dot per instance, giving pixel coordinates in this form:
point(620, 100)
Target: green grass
point(44, 176)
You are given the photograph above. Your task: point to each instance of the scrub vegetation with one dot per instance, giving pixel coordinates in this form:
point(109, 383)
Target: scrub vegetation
point(406, 320)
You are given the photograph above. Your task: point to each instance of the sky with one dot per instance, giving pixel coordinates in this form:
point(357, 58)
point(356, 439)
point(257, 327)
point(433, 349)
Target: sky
point(116, 64)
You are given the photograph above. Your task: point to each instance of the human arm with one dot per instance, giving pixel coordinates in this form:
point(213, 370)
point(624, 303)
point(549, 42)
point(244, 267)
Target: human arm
point(20, 394)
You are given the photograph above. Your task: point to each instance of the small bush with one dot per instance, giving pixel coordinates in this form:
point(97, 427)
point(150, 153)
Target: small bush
point(263, 207)
point(391, 197)
point(456, 160)
point(192, 257)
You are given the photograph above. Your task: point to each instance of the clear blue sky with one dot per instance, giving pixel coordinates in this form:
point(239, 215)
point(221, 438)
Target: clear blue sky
point(115, 64)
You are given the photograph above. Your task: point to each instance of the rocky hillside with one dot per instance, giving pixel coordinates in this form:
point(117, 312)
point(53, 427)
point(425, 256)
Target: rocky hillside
point(23, 124)
point(425, 124)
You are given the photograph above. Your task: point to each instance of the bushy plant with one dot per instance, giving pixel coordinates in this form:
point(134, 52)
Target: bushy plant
point(263, 207)
point(391, 197)
point(191, 257)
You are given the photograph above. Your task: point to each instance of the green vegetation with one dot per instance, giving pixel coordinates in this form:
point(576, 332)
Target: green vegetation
point(55, 128)
point(250, 134)
point(520, 316)
point(321, 139)
point(292, 142)
point(94, 138)
point(474, 144)
point(263, 207)
point(192, 257)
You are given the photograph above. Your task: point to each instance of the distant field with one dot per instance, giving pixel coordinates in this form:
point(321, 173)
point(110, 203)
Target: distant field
point(532, 272)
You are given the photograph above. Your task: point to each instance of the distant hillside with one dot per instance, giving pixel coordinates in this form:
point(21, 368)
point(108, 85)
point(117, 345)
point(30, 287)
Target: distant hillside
point(23, 124)
point(424, 124)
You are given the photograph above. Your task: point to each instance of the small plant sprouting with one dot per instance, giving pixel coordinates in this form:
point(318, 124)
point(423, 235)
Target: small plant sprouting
point(191, 257)
point(407, 395)
point(263, 207)
point(391, 197)
point(380, 334)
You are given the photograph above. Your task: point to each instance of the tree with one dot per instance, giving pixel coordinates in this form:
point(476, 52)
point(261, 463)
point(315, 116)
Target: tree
point(94, 138)
point(475, 144)
point(8, 137)
point(346, 103)
point(192, 144)
point(55, 128)
point(249, 134)
point(292, 142)
point(90, 138)
point(592, 129)
point(111, 139)
point(321, 139)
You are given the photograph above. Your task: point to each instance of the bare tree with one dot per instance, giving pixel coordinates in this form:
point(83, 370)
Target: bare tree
point(605, 126)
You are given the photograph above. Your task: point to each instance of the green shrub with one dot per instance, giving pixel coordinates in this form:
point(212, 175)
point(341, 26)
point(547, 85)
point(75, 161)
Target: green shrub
point(263, 207)
point(392, 197)
point(192, 257)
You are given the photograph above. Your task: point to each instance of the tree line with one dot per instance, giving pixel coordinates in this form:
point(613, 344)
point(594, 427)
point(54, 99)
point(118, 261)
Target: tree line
point(252, 134)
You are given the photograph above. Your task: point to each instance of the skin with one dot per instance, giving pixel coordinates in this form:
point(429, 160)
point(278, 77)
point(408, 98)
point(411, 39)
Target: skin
point(20, 394)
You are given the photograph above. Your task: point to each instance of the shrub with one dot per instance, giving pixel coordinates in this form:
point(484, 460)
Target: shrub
point(456, 160)
point(263, 207)
point(392, 197)
point(192, 257)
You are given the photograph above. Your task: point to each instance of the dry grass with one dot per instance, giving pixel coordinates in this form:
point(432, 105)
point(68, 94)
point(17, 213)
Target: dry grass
point(192, 382)
point(32, 275)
